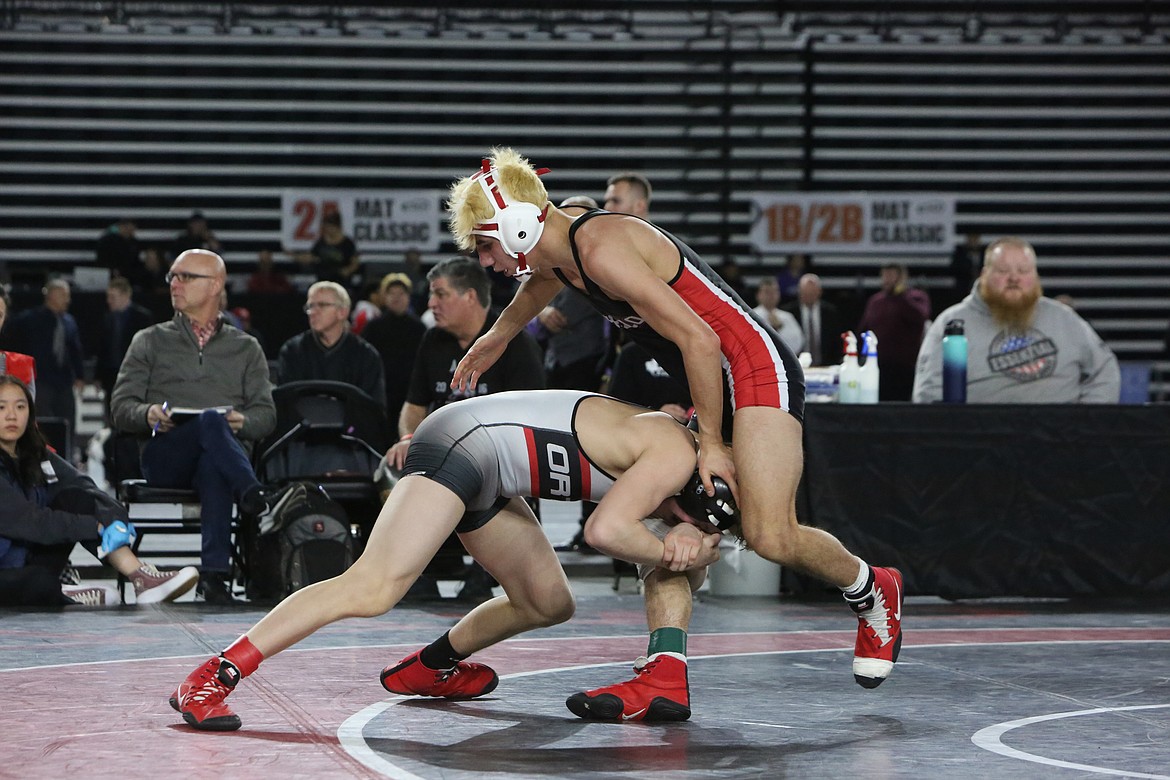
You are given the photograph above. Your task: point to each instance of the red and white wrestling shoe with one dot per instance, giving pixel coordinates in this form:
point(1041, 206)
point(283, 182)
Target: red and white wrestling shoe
point(879, 633)
point(466, 681)
point(658, 692)
point(200, 698)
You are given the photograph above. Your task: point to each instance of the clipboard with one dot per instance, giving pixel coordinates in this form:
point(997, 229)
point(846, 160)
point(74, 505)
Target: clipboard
point(181, 414)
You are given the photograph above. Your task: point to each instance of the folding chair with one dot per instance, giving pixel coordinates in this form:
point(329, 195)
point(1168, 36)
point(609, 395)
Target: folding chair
point(330, 433)
point(160, 510)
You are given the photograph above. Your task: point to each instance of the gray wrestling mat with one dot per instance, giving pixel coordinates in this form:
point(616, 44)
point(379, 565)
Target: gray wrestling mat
point(995, 689)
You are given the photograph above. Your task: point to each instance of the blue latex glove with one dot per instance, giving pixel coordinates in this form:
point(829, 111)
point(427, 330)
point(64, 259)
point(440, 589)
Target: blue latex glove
point(119, 533)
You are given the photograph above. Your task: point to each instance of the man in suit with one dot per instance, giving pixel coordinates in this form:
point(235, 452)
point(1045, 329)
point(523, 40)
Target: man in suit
point(820, 320)
point(49, 333)
point(121, 322)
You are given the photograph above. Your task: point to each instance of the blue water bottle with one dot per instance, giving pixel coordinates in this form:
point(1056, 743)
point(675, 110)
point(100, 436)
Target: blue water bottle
point(954, 356)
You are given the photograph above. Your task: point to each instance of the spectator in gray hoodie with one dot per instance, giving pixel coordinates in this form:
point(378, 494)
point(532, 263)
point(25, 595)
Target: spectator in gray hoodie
point(1022, 347)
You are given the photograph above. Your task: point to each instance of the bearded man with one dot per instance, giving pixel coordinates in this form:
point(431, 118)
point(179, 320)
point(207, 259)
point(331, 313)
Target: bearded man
point(1023, 347)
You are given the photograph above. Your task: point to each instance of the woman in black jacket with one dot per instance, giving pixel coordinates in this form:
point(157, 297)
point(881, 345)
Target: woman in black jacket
point(47, 506)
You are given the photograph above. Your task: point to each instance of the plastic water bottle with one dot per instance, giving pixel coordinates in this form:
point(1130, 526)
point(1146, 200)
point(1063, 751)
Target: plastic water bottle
point(868, 380)
point(850, 376)
point(954, 356)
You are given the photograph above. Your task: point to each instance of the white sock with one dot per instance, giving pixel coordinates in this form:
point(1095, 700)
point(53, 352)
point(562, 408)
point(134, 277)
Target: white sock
point(862, 577)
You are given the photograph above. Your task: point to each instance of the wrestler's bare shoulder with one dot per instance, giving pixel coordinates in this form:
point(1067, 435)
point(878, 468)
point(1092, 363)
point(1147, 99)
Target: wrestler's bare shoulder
point(615, 434)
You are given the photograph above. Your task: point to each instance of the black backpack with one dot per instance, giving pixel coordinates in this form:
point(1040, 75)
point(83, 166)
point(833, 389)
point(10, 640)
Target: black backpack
point(305, 539)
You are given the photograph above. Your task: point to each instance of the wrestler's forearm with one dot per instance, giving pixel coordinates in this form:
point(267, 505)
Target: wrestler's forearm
point(703, 364)
point(629, 542)
point(410, 417)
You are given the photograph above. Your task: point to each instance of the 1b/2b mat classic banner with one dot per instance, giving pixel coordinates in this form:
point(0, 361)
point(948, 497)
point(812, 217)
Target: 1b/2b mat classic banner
point(844, 223)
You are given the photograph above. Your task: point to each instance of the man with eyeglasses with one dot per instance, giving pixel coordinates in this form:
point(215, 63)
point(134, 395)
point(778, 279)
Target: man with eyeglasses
point(327, 350)
point(193, 362)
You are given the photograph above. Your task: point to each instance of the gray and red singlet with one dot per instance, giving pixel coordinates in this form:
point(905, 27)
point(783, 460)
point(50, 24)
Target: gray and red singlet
point(495, 447)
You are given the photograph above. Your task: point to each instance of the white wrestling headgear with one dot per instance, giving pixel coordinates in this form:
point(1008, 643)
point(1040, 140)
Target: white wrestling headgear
point(517, 225)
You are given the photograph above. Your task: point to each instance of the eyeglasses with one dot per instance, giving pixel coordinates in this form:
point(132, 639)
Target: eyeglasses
point(185, 277)
point(318, 305)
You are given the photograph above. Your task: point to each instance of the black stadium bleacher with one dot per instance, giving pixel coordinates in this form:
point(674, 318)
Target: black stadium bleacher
point(1044, 119)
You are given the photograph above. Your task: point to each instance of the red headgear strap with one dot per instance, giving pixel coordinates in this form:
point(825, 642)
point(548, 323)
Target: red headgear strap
point(515, 224)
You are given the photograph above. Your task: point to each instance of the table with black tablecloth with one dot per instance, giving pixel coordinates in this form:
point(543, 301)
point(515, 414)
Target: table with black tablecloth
point(1005, 500)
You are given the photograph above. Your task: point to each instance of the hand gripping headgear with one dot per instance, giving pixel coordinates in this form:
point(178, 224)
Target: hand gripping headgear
point(515, 224)
point(719, 510)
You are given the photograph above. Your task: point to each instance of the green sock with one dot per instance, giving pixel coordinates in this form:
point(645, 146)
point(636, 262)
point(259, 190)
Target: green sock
point(667, 640)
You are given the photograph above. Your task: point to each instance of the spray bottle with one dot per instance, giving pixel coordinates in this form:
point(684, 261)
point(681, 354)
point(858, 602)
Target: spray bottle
point(850, 376)
point(869, 370)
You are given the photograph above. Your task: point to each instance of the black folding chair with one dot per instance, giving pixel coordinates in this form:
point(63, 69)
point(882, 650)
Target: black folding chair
point(330, 433)
point(162, 510)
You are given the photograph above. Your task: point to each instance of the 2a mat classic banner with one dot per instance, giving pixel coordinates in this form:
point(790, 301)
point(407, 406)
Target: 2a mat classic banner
point(376, 220)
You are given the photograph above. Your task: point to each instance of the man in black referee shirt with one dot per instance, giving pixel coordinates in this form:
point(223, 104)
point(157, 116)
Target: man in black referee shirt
point(460, 300)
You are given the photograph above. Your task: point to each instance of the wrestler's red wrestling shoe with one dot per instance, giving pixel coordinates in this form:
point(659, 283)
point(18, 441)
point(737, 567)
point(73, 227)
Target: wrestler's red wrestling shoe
point(658, 692)
point(879, 633)
point(409, 677)
point(200, 698)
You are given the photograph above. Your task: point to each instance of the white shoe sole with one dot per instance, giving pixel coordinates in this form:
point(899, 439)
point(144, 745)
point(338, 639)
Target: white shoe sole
point(110, 599)
point(170, 590)
point(873, 668)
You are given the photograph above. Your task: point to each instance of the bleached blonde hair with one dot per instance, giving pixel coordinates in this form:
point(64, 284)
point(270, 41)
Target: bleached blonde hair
point(467, 205)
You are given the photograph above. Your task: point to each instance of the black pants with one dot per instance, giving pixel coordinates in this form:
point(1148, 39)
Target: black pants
point(38, 582)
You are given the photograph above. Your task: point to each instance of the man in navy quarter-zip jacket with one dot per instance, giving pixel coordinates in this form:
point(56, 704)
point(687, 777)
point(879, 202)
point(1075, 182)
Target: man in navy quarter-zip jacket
point(195, 362)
